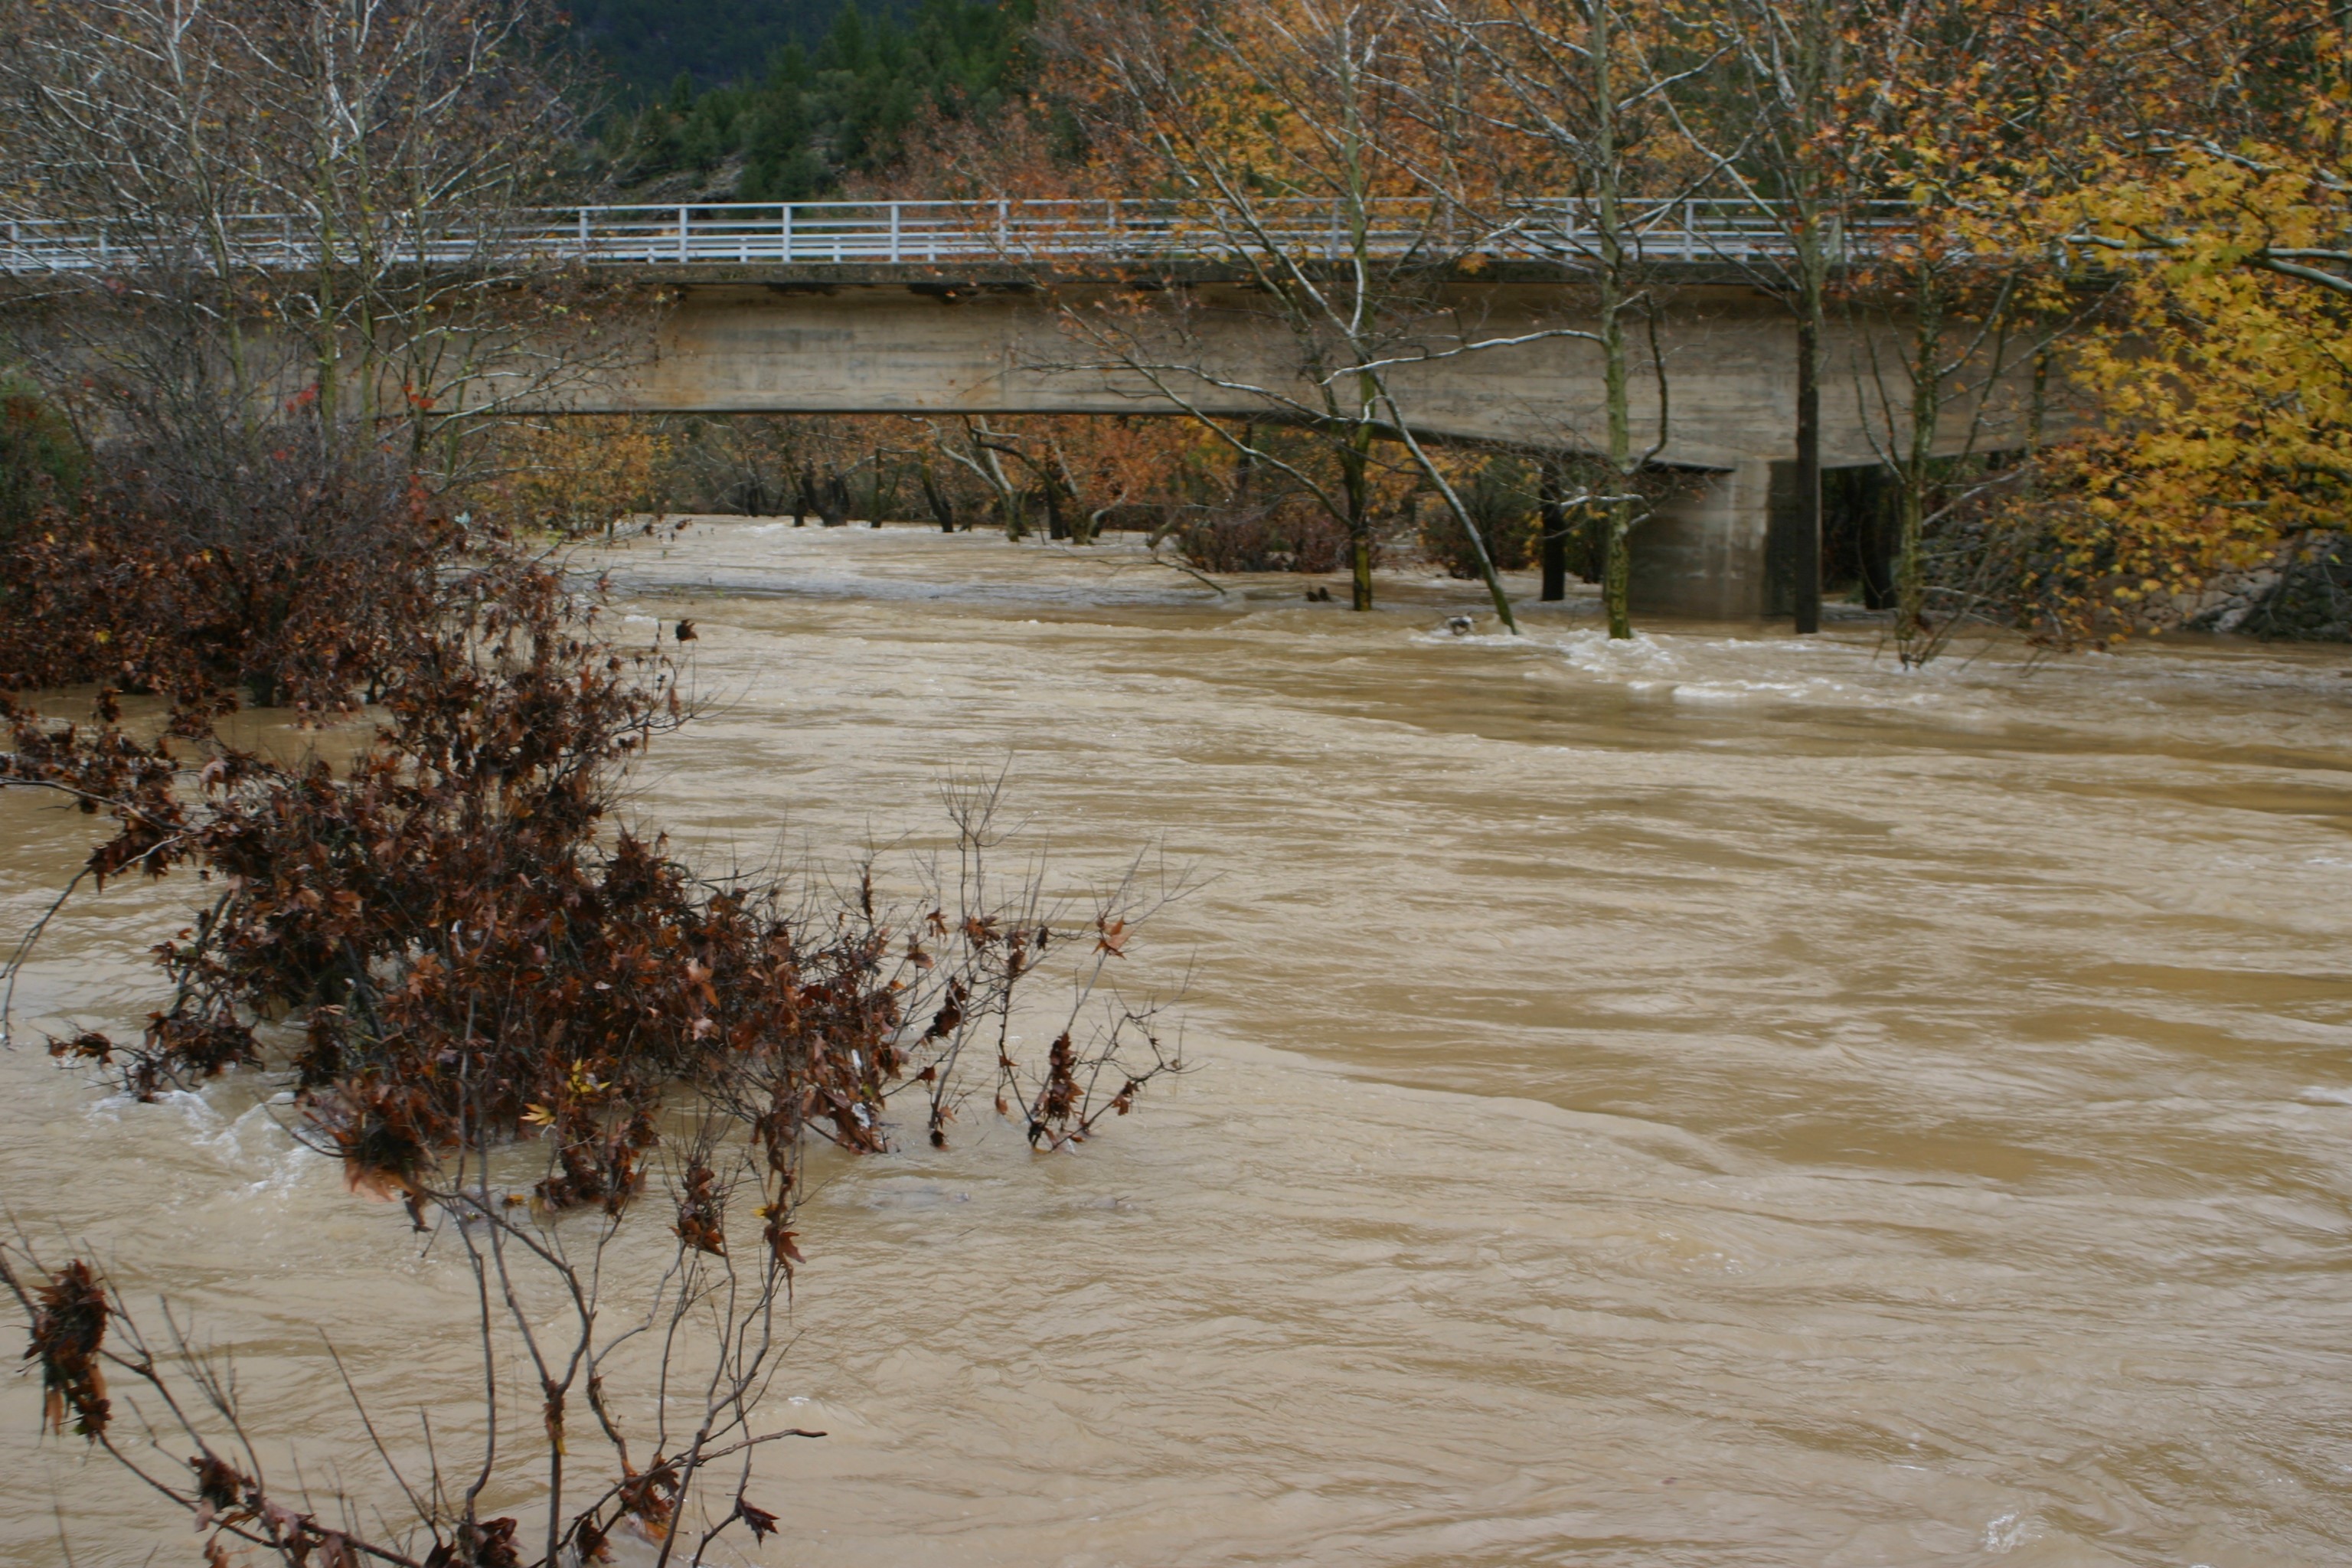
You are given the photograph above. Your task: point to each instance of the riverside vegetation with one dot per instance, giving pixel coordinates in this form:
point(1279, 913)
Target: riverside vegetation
point(489, 995)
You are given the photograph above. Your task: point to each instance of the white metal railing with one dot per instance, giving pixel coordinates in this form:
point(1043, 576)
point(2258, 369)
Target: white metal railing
point(860, 234)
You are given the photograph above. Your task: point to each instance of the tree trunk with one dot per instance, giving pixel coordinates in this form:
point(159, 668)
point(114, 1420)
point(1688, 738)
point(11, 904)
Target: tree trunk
point(1354, 459)
point(1919, 472)
point(1805, 558)
point(942, 508)
point(1554, 536)
point(1617, 570)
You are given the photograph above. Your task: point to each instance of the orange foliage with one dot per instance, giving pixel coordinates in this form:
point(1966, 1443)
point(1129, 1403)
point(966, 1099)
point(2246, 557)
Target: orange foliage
point(583, 475)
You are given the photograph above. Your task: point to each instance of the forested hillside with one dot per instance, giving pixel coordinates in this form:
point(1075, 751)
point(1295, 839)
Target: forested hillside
point(814, 111)
point(645, 44)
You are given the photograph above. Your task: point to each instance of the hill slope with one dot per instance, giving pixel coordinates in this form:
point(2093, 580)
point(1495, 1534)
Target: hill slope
point(648, 44)
point(796, 122)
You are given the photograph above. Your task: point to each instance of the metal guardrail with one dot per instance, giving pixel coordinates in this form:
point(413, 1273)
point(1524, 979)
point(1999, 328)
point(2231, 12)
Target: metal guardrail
point(846, 234)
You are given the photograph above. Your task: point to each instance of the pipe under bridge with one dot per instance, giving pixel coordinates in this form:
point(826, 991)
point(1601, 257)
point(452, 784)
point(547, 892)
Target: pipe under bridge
point(1012, 307)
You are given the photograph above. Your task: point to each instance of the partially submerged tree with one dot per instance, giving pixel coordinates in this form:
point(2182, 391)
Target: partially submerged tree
point(1770, 119)
point(1957, 311)
point(1577, 87)
point(1286, 156)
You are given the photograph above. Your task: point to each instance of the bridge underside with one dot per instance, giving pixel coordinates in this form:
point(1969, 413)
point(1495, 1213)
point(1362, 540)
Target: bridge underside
point(924, 346)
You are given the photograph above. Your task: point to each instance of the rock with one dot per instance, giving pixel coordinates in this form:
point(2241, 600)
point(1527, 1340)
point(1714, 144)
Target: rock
point(2305, 594)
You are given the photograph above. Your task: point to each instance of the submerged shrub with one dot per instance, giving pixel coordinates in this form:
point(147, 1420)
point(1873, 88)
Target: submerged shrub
point(1501, 498)
point(1287, 537)
point(451, 947)
point(286, 566)
point(474, 955)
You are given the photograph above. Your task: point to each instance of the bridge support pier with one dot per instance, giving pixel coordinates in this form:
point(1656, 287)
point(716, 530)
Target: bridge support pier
point(1702, 555)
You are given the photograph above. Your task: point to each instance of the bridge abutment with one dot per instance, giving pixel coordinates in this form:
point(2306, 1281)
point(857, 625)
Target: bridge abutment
point(1703, 555)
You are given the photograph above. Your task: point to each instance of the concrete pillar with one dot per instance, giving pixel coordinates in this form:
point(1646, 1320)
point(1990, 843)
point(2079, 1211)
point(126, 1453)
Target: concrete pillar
point(1702, 555)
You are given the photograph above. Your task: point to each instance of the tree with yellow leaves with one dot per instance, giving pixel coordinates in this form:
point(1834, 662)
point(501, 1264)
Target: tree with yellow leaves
point(583, 475)
point(2226, 374)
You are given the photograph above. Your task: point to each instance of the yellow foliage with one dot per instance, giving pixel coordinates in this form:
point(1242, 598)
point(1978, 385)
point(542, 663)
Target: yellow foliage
point(583, 475)
point(2222, 367)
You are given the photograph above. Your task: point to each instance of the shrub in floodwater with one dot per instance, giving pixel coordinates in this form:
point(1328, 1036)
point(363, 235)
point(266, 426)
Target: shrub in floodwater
point(456, 956)
point(1290, 537)
point(1502, 499)
point(286, 564)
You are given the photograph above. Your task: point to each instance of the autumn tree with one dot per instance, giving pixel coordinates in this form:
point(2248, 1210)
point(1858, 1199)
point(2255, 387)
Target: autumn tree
point(583, 475)
point(2213, 191)
point(1288, 154)
point(1955, 112)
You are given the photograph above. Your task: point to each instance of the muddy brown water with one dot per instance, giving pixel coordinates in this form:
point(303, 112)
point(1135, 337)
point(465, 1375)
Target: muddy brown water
point(1714, 1100)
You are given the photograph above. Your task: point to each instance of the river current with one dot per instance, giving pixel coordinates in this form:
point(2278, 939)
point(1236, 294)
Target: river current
point(1716, 1100)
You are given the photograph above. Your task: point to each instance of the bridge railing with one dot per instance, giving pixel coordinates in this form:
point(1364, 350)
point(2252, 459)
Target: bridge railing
point(849, 233)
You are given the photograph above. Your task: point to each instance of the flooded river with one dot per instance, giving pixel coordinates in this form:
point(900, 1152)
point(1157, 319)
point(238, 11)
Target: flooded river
point(1716, 1100)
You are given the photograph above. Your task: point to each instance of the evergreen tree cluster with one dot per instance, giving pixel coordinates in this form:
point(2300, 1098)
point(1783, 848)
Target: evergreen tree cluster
point(646, 44)
point(844, 106)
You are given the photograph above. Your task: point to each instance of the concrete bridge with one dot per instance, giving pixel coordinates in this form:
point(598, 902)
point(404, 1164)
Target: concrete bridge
point(961, 308)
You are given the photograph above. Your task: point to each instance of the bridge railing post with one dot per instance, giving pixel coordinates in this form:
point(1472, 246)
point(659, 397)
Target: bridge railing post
point(683, 255)
point(784, 236)
point(894, 231)
point(583, 234)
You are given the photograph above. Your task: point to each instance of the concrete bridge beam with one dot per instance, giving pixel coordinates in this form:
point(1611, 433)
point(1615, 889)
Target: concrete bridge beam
point(939, 346)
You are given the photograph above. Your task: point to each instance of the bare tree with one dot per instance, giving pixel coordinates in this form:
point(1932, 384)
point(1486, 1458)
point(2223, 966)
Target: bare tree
point(1298, 163)
point(1576, 89)
point(1768, 119)
point(307, 207)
